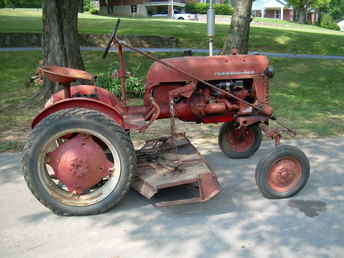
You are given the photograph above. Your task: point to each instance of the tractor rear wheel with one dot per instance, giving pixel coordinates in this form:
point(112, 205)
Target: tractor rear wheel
point(239, 143)
point(78, 162)
point(283, 172)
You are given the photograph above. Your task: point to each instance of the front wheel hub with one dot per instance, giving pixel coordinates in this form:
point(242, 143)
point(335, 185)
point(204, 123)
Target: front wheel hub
point(241, 139)
point(80, 163)
point(284, 174)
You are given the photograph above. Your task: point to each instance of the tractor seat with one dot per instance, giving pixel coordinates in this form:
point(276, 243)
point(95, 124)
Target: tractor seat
point(61, 74)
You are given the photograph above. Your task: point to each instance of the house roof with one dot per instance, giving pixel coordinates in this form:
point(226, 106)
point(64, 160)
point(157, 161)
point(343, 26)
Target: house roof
point(261, 4)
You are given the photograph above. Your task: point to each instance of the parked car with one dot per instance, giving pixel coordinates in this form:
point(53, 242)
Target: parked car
point(178, 15)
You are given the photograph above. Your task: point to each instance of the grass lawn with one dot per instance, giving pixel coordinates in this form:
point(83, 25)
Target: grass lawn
point(266, 34)
point(307, 93)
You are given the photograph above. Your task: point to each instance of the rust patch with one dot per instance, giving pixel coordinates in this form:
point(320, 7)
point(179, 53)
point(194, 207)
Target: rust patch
point(173, 161)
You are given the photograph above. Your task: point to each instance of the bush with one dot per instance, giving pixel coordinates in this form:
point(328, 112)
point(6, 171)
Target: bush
point(94, 11)
point(223, 9)
point(87, 5)
point(202, 8)
point(20, 4)
point(328, 22)
point(134, 85)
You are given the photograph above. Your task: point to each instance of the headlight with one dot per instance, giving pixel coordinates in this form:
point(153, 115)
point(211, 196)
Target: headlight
point(269, 72)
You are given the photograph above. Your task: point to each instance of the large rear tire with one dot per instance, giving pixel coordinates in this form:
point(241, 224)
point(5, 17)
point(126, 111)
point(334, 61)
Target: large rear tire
point(283, 172)
point(57, 129)
point(239, 143)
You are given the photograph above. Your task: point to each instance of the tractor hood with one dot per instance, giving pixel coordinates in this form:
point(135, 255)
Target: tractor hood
point(208, 68)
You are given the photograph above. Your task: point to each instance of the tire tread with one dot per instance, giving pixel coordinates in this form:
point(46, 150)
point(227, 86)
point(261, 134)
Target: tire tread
point(87, 115)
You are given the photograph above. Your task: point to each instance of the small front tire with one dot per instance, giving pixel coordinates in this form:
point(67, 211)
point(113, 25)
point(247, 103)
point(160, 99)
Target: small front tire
point(283, 172)
point(239, 143)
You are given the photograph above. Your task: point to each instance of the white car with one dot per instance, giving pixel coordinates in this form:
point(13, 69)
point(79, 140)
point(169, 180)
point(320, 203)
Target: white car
point(178, 16)
point(185, 16)
point(341, 25)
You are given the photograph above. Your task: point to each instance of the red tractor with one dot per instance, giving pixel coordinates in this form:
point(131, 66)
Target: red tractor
point(80, 160)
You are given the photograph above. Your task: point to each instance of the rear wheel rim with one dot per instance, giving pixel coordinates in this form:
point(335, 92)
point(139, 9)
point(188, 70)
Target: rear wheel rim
point(58, 192)
point(241, 139)
point(284, 174)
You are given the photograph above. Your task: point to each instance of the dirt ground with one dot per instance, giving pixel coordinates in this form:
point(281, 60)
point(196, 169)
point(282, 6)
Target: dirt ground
point(14, 139)
point(204, 133)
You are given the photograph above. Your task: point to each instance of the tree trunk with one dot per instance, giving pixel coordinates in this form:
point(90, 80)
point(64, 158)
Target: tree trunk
point(302, 17)
point(240, 27)
point(109, 7)
point(60, 37)
point(295, 14)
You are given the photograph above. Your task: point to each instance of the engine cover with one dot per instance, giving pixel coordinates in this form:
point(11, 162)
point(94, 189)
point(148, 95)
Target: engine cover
point(80, 163)
point(208, 68)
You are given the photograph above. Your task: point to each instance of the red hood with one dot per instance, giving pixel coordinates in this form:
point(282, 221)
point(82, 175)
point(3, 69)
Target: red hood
point(208, 68)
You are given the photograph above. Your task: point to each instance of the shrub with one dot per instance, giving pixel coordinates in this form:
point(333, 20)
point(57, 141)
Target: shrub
point(20, 4)
point(134, 85)
point(87, 5)
point(202, 8)
point(94, 11)
point(328, 22)
point(223, 9)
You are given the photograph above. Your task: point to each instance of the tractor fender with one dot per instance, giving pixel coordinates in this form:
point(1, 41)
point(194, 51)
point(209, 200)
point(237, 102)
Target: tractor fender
point(113, 112)
point(87, 91)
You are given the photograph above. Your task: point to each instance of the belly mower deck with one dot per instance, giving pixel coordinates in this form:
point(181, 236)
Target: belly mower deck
point(173, 161)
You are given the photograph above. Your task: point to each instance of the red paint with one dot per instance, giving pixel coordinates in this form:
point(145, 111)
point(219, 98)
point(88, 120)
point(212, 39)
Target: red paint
point(112, 112)
point(208, 68)
point(60, 74)
point(100, 94)
point(241, 139)
point(217, 119)
point(73, 167)
point(215, 108)
point(284, 174)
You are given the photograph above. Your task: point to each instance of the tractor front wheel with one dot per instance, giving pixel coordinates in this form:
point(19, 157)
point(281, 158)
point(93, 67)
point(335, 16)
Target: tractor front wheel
point(239, 143)
point(78, 162)
point(283, 172)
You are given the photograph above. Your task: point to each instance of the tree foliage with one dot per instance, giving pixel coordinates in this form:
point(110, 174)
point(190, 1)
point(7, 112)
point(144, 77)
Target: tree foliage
point(328, 22)
point(202, 8)
point(307, 4)
point(336, 9)
point(87, 5)
point(301, 8)
point(20, 3)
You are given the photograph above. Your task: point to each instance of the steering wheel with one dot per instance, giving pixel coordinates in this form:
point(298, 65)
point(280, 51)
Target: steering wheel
point(113, 37)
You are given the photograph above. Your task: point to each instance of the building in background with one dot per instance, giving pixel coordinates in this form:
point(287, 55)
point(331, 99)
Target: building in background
point(145, 7)
point(139, 7)
point(277, 9)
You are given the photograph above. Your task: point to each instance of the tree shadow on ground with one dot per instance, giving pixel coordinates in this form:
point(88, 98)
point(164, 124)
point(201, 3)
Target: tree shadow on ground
point(239, 221)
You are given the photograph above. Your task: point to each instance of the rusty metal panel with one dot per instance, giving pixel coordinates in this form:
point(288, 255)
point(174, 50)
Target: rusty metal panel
point(169, 162)
point(208, 68)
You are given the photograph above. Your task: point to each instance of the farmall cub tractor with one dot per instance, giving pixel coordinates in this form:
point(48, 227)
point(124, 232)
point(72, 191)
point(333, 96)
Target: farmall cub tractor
point(80, 160)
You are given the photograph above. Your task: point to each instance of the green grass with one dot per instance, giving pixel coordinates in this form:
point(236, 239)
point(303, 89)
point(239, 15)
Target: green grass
point(258, 21)
point(308, 94)
point(289, 38)
point(15, 117)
